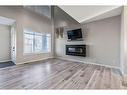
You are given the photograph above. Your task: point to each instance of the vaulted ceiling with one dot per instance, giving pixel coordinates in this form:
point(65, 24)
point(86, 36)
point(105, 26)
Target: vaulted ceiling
point(84, 14)
point(81, 14)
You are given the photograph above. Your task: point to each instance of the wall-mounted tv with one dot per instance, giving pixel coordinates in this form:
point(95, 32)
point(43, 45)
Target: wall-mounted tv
point(74, 34)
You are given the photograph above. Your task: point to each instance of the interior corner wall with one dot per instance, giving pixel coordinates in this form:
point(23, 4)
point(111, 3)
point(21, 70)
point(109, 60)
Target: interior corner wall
point(53, 31)
point(26, 19)
point(102, 38)
point(125, 40)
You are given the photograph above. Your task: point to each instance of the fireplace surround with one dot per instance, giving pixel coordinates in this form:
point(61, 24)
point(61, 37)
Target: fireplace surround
point(76, 50)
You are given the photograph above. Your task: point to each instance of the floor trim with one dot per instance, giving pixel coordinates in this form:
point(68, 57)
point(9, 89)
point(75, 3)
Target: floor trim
point(33, 61)
point(89, 63)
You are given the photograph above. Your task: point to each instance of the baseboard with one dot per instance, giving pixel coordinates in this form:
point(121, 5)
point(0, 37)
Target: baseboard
point(5, 61)
point(33, 60)
point(87, 62)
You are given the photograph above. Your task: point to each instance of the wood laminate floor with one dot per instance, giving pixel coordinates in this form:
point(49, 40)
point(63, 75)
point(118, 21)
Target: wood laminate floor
point(59, 74)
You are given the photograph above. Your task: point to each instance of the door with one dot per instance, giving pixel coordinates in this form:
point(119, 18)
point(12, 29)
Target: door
point(13, 43)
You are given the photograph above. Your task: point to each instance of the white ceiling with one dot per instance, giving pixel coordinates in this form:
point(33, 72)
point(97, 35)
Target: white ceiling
point(84, 14)
point(6, 21)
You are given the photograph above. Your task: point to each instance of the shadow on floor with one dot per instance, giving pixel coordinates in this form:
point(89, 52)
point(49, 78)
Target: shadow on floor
point(6, 64)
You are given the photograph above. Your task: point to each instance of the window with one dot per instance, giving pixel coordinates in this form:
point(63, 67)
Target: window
point(35, 42)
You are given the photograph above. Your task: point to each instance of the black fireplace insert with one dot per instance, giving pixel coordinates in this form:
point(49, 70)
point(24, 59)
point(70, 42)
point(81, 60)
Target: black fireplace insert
point(76, 50)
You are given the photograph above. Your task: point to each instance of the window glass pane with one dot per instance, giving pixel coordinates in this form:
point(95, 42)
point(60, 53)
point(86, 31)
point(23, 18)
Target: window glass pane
point(38, 43)
point(46, 43)
point(35, 42)
point(49, 43)
point(28, 43)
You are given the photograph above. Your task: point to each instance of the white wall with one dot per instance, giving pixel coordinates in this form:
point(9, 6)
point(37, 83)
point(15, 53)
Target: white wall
point(26, 19)
point(102, 38)
point(5, 46)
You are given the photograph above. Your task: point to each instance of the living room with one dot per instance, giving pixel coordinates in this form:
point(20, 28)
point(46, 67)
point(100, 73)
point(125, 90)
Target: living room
point(58, 48)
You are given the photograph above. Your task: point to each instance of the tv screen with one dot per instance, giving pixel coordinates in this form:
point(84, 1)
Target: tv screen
point(74, 34)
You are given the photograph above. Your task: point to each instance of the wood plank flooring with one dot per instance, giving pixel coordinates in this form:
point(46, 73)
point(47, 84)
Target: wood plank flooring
point(59, 74)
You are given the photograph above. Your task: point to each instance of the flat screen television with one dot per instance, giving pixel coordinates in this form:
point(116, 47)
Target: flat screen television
point(74, 34)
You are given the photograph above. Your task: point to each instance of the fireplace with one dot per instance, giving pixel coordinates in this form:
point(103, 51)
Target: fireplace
point(76, 50)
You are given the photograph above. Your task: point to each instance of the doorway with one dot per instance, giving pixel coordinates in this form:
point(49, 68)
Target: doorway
point(7, 42)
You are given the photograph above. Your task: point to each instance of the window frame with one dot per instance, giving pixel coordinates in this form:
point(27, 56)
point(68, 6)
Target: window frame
point(32, 53)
